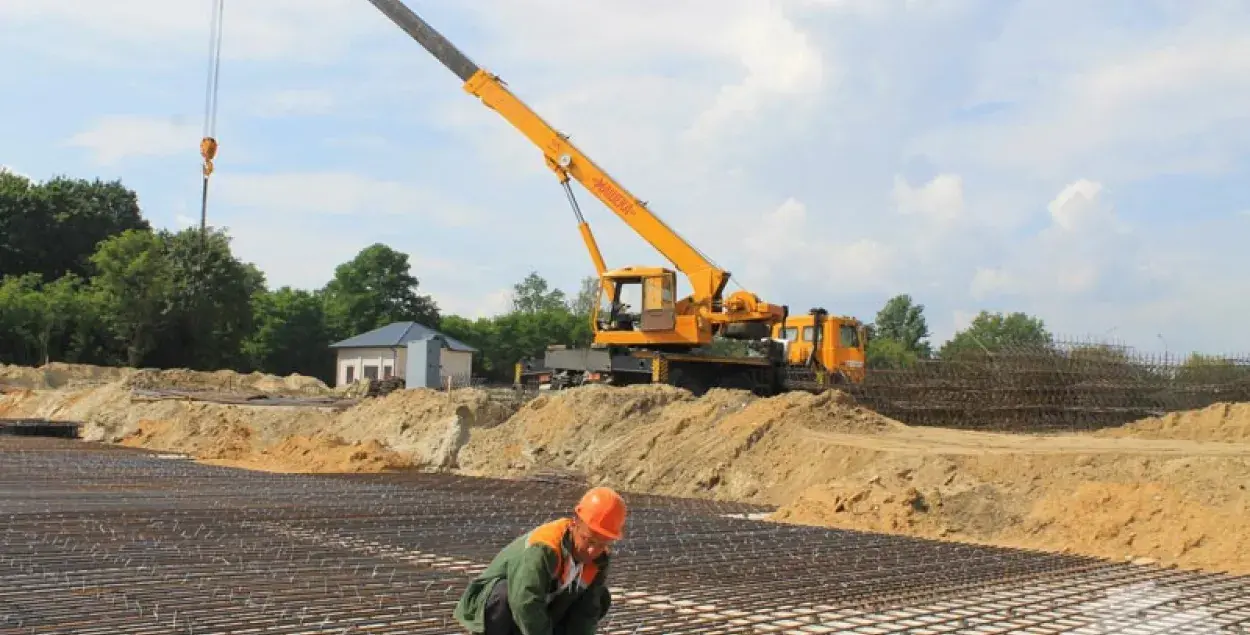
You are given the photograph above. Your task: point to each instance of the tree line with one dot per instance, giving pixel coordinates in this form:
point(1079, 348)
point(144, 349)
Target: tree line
point(84, 278)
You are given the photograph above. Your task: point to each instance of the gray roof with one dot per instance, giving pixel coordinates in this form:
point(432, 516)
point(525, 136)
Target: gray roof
point(399, 334)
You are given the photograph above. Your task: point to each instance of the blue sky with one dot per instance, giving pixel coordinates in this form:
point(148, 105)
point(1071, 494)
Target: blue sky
point(1087, 162)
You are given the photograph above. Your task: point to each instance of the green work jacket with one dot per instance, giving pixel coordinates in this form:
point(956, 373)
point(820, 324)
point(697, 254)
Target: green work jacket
point(535, 564)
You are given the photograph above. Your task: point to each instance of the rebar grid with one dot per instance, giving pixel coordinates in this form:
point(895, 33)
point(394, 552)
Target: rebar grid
point(102, 540)
point(1059, 386)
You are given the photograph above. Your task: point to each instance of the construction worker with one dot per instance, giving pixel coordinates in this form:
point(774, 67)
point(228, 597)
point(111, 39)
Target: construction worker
point(552, 579)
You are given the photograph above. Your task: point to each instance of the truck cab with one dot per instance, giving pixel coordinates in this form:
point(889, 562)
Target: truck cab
point(833, 343)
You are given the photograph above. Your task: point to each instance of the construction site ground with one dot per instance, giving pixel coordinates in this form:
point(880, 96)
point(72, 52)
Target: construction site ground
point(1160, 504)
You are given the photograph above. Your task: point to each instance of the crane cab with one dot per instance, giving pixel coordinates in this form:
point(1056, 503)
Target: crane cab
point(833, 343)
point(639, 306)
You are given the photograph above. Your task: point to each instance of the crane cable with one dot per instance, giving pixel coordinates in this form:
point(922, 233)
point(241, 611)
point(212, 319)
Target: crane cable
point(208, 145)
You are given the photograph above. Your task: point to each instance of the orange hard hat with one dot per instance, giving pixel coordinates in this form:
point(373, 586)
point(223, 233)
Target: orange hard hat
point(603, 510)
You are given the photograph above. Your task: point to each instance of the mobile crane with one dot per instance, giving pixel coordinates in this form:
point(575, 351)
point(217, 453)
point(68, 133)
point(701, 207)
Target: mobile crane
point(663, 341)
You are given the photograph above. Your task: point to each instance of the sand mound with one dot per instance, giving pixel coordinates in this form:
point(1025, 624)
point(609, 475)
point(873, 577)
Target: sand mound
point(320, 453)
point(60, 375)
point(727, 444)
point(1229, 422)
point(1172, 510)
point(225, 381)
point(924, 495)
point(427, 426)
point(1132, 520)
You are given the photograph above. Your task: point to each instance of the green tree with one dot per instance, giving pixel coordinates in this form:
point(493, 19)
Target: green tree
point(890, 354)
point(134, 284)
point(25, 226)
point(991, 332)
point(534, 295)
point(505, 339)
point(59, 305)
point(290, 334)
point(372, 290)
point(22, 315)
point(903, 321)
point(587, 296)
point(53, 228)
point(85, 213)
point(209, 310)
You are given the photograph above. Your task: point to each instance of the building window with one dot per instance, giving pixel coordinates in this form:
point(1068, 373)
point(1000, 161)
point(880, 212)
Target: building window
point(351, 375)
point(371, 372)
point(387, 371)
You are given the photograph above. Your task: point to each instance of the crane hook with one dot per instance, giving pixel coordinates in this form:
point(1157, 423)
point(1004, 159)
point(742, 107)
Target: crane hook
point(208, 150)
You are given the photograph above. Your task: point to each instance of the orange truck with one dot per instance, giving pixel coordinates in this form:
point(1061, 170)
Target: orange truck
point(822, 349)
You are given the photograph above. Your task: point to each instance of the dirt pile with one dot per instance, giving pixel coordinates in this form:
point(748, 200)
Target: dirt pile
point(1138, 521)
point(727, 444)
point(227, 381)
point(411, 428)
point(1229, 422)
point(318, 453)
point(60, 375)
point(1153, 503)
point(427, 426)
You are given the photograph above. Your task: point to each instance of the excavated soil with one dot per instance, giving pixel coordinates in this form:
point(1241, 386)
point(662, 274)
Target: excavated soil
point(61, 375)
point(1220, 422)
point(1170, 490)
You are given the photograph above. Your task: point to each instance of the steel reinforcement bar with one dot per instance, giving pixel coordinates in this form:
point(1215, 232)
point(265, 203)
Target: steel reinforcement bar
point(1053, 386)
point(100, 540)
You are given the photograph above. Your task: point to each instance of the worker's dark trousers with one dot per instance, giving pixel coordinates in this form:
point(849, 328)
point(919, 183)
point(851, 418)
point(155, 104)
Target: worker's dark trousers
point(498, 616)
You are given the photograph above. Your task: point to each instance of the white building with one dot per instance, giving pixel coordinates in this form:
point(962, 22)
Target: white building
point(383, 353)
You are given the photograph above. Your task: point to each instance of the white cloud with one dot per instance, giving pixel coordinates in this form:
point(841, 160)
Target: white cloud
point(940, 200)
point(338, 193)
point(784, 234)
point(118, 137)
point(305, 30)
point(473, 306)
point(736, 58)
point(1078, 249)
point(1083, 206)
point(295, 101)
point(780, 62)
point(861, 265)
point(1155, 103)
point(991, 280)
